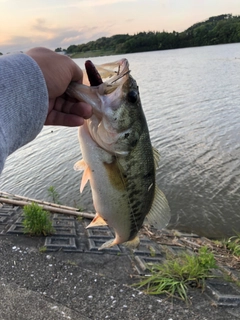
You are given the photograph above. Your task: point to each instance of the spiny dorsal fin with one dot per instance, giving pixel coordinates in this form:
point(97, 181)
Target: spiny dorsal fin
point(156, 157)
point(159, 214)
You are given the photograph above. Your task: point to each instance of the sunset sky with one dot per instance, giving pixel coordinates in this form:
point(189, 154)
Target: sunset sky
point(60, 23)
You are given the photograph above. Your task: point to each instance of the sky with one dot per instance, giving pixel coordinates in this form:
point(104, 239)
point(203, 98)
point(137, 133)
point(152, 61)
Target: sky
point(59, 23)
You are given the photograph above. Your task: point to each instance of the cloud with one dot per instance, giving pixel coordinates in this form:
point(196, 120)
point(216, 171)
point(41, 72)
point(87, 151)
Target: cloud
point(96, 3)
point(52, 37)
point(41, 25)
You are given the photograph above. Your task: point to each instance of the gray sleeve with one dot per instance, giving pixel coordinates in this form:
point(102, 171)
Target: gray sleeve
point(23, 102)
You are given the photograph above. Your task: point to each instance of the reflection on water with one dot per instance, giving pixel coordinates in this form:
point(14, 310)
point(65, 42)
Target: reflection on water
point(191, 98)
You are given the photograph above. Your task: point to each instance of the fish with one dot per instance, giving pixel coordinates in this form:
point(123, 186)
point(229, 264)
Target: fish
point(118, 158)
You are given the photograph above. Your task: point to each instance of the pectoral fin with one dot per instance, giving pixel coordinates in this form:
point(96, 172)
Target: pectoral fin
point(159, 214)
point(81, 165)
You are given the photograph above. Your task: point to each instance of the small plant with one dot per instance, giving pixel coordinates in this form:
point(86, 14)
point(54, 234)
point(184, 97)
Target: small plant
point(36, 220)
point(53, 194)
point(233, 245)
point(71, 263)
point(175, 275)
point(152, 251)
point(42, 249)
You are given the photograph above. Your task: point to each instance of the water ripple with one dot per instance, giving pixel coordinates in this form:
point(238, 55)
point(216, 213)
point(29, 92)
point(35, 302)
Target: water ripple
point(191, 101)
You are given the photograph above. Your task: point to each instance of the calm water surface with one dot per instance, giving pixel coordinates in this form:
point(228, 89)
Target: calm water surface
point(191, 98)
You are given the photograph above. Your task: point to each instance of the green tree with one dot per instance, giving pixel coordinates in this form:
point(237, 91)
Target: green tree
point(224, 28)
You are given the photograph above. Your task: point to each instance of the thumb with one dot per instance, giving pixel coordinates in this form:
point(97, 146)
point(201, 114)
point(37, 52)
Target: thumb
point(77, 74)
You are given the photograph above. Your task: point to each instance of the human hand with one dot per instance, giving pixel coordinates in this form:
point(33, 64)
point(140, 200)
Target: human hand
point(59, 71)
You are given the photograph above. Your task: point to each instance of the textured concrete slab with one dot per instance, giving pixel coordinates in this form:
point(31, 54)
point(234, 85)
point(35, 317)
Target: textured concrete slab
point(23, 304)
point(73, 279)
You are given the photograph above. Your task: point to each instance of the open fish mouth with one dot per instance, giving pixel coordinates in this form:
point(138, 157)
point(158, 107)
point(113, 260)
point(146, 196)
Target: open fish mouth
point(111, 73)
point(104, 80)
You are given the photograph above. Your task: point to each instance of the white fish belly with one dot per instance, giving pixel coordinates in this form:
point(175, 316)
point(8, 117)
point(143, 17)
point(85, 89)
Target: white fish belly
point(109, 197)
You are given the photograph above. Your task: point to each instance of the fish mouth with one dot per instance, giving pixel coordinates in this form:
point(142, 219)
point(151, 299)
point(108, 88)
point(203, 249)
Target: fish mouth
point(108, 75)
point(104, 79)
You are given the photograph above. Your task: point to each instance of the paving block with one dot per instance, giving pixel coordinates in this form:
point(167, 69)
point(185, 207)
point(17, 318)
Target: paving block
point(94, 244)
point(19, 220)
point(177, 250)
point(223, 293)
point(142, 263)
point(2, 229)
point(102, 233)
point(80, 247)
point(63, 231)
point(60, 216)
point(3, 219)
point(16, 228)
point(63, 223)
point(60, 242)
point(7, 208)
point(148, 248)
point(232, 272)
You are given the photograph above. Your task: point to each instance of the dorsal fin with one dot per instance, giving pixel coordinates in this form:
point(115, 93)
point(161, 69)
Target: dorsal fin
point(159, 214)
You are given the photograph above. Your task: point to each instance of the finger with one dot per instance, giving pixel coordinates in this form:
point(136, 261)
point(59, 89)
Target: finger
point(81, 109)
point(77, 74)
point(71, 106)
point(56, 118)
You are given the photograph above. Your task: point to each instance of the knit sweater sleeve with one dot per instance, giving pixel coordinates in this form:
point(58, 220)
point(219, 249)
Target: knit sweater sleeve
point(23, 102)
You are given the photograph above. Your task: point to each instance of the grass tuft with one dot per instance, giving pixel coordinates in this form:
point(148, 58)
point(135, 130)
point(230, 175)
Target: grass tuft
point(233, 245)
point(53, 195)
point(174, 277)
point(36, 220)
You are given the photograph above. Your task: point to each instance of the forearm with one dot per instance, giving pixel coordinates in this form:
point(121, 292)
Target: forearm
point(23, 103)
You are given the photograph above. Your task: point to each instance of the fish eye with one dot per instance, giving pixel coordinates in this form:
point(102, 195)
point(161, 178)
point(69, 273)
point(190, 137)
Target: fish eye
point(132, 96)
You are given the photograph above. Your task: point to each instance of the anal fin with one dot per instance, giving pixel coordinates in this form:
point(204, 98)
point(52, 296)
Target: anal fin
point(97, 222)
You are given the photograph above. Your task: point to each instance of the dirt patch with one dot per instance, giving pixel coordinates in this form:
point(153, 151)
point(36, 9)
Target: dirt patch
point(174, 238)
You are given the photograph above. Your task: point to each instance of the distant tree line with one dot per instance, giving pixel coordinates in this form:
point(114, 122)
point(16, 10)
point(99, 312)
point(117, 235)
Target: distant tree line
point(220, 29)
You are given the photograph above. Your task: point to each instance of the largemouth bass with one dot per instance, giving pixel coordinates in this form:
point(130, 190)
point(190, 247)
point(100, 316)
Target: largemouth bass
point(118, 158)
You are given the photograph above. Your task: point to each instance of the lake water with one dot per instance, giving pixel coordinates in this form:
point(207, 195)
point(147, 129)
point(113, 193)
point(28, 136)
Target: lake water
point(191, 98)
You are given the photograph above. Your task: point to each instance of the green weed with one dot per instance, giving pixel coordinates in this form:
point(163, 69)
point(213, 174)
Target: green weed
point(71, 263)
point(53, 194)
point(42, 249)
point(233, 245)
point(36, 220)
point(174, 277)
